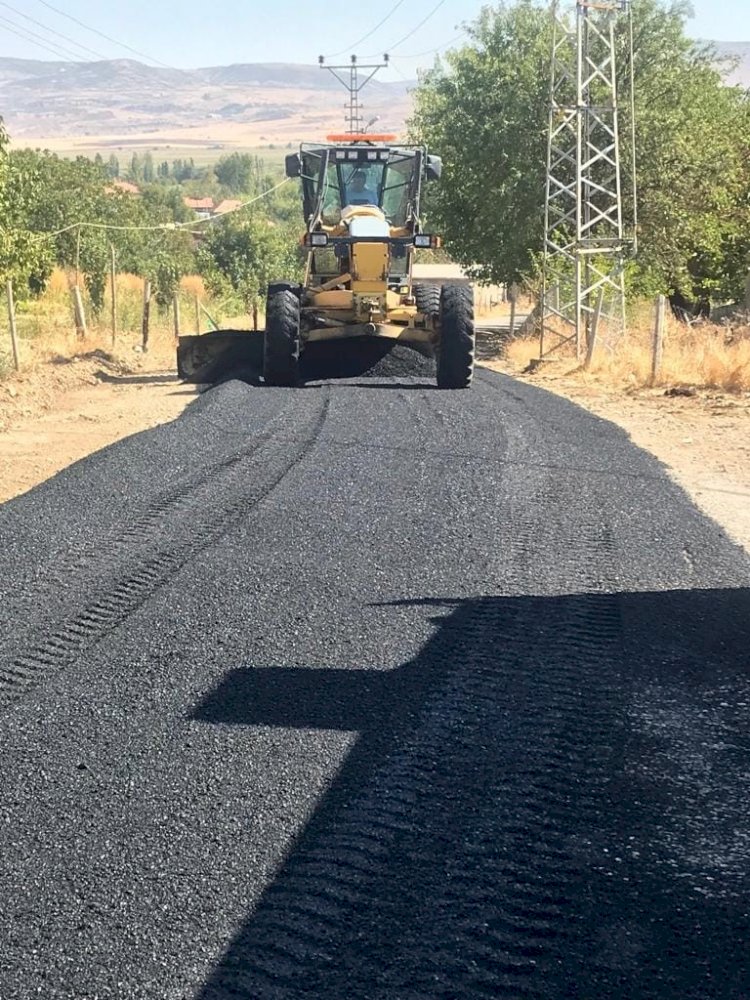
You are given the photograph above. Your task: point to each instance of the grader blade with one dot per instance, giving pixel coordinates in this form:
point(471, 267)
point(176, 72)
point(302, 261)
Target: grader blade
point(220, 355)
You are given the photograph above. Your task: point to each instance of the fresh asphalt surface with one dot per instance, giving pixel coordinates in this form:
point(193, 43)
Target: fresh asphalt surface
point(367, 690)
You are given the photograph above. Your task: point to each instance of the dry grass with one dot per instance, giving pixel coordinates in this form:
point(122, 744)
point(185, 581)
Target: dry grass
point(58, 284)
point(129, 284)
point(192, 284)
point(702, 356)
point(47, 331)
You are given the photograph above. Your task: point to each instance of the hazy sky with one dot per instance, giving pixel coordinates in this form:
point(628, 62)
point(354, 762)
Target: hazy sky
point(194, 33)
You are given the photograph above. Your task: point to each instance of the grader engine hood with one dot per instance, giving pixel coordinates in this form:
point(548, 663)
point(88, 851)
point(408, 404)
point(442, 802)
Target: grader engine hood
point(370, 263)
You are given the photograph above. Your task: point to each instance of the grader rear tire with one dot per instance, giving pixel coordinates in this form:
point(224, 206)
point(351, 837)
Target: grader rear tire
point(281, 344)
point(455, 362)
point(427, 298)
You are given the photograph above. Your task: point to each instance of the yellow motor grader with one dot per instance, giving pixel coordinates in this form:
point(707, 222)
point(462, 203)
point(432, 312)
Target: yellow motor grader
point(361, 201)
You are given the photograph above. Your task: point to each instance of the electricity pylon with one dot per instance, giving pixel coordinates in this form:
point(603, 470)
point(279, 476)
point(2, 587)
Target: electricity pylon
point(586, 244)
point(355, 85)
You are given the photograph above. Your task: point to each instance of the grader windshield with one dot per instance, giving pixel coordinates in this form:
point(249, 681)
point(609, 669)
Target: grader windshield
point(334, 178)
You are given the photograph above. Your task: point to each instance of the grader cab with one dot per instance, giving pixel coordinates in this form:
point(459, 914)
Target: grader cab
point(361, 202)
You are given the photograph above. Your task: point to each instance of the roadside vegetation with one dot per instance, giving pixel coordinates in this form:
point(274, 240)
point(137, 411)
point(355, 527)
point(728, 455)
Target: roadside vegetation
point(700, 355)
point(45, 251)
point(484, 106)
point(47, 332)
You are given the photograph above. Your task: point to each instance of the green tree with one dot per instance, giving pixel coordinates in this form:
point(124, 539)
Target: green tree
point(485, 108)
point(184, 170)
point(248, 254)
point(50, 194)
point(135, 172)
point(236, 172)
point(149, 173)
point(113, 166)
point(26, 257)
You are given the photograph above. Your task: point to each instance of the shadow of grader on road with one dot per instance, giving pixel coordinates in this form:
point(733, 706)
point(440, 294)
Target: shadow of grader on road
point(547, 801)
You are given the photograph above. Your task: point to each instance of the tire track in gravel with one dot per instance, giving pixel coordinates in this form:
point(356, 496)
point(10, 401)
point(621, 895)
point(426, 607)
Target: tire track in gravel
point(218, 498)
point(466, 860)
point(173, 503)
point(457, 865)
point(456, 861)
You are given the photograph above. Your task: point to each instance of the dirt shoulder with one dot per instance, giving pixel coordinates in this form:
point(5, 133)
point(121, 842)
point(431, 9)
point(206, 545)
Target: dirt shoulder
point(56, 414)
point(703, 439)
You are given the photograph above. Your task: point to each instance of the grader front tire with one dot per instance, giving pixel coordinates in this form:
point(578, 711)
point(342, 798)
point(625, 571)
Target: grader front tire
point(281, 344)
point(456, 344)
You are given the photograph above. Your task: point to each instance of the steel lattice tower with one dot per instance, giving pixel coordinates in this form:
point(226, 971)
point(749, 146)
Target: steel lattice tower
point(355, 85)
point(586, 244)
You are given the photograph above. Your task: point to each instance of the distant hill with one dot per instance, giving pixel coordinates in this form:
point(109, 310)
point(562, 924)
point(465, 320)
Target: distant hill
point(123, 104)
point(120, 98)
point(739, 51)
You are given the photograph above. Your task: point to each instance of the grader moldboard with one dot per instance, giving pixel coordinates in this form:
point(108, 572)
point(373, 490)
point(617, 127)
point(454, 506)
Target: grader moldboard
point(361, 201)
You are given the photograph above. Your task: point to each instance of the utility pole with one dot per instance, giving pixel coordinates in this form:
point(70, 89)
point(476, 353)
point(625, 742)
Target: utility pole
point(349, 76)
point(587, 199)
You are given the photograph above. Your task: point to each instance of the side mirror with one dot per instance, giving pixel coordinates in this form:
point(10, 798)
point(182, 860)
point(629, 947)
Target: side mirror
point(293, 165)
point(434, 168)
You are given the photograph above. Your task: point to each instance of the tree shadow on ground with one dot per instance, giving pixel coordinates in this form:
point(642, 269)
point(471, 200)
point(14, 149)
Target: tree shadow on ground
point(154, 378)
point(550, 800)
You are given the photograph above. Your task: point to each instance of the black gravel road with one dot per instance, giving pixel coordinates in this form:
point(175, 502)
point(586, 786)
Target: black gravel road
point(367, 690)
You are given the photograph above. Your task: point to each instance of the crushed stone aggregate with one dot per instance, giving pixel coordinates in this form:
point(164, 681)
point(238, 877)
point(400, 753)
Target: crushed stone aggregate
point(421, 694)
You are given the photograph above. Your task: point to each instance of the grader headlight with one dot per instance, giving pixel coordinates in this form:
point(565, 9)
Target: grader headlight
point(426, 241)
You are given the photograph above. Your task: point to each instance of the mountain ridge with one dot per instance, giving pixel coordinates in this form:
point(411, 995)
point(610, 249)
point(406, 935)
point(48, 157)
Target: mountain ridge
point(741, 52)
point(124, 98)
point(123, 101)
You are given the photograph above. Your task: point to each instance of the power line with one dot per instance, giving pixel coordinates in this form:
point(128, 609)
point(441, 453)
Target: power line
point(101, 34)
point(162, 226)
point(52, 31)
point(424, 21)
point(403, 76)
point(429, 52)
point(378, 26)
point(43, 43)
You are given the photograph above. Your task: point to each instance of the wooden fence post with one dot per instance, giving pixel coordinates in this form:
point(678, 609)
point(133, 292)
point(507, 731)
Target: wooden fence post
point(113, 289)
point(146, 314)
point(78, 257)
point(197, 315)
point(79, 313)
point(12, 321)
point(658, 342)
point(176, 307)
